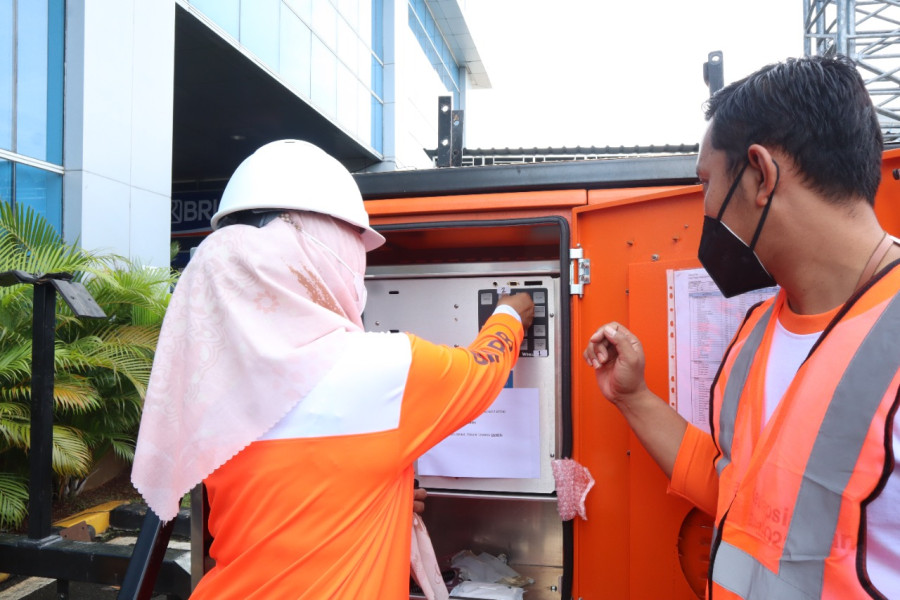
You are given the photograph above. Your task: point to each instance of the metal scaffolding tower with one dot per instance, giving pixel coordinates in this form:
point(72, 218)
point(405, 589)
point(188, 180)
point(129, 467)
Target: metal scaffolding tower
point(867, 31)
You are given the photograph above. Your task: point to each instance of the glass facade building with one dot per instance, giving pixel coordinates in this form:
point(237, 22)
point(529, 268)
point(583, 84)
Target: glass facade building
point(329, 53)
point(435, 47)
point(32, 40)
point(115, 114)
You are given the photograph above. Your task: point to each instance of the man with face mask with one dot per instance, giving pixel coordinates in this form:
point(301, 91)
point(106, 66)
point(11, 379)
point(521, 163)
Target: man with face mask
point(799, 469)
point(303, 427)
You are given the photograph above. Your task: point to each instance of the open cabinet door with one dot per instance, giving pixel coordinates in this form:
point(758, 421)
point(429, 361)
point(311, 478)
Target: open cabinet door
point(638, 542)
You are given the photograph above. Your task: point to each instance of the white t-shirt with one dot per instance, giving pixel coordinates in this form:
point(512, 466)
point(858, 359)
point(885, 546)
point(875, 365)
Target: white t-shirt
point(787, 353)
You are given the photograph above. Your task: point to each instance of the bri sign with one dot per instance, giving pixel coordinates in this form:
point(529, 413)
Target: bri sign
point(192, 212)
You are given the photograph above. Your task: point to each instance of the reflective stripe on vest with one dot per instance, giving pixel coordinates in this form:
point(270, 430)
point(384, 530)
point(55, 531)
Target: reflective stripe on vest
point(817, 507)
point(734, 387)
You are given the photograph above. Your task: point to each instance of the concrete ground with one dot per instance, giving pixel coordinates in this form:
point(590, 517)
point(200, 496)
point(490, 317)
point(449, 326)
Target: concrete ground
point(39, 588)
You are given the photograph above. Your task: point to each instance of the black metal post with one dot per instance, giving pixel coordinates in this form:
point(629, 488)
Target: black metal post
point(456, 138)
point(148, 556)
point(62, 589)
point(42, 372)
point(445, 104)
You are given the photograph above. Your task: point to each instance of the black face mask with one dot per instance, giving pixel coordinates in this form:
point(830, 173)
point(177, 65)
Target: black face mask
point(732, 264)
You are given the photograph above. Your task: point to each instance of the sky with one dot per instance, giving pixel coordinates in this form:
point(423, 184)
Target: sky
point(613, 72)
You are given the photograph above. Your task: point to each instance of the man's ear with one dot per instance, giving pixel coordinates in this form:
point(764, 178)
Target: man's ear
point(764, 163)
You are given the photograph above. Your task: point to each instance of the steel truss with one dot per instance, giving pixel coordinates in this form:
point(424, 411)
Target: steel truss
point(867, 31)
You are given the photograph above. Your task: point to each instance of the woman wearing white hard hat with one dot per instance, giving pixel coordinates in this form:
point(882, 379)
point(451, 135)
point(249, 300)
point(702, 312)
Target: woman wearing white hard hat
point(303, 427)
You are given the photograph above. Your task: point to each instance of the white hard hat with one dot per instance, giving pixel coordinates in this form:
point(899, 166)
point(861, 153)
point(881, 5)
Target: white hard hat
point(296, 175)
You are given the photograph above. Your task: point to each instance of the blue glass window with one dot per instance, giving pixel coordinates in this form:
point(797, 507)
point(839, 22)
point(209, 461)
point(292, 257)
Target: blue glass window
point(436, 49)
point(346, 106)
point(259, 29)
point(295, 53)
point(38, 103)
point(301, 8)
point(377, 77)
point(7, 46)
point(364, 23)
point(31, 80)
point(5, 181)
point(324, 22)
point(377, 116)
point(378, 29)
point(364, 63)
point(32, 42)
point(56, 34)
point(420, 10)
point(364, 113)
point(377, 124)
point(41, 190)
point(346, 45)
point(224, 13)
point(348, 9)
point(324, 74)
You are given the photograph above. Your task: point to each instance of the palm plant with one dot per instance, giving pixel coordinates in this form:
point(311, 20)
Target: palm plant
point(101, 365)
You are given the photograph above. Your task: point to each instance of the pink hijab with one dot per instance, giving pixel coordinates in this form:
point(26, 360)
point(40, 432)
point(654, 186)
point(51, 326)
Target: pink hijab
point(256, 320)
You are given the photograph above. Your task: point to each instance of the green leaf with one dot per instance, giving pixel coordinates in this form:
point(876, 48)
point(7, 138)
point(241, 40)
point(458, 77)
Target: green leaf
point(71, 455)
point(102, 366)
point(13, 500)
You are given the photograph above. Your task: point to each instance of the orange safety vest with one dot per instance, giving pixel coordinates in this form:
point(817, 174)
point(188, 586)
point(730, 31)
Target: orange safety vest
point(790, 519)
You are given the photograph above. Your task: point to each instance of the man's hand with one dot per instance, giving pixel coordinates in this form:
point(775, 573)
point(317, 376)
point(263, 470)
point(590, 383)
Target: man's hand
point(617, 358)
point(522, 304)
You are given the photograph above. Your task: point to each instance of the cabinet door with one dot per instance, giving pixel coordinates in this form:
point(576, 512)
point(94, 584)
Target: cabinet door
point(637, 537)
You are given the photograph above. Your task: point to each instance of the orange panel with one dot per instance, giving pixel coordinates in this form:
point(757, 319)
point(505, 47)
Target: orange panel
point(476, 202)
point(887, 200)
point(624, 195)
point(483, 215)
point(657, 518)
point(628, 547)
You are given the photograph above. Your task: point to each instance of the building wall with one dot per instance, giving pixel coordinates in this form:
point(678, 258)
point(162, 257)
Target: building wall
point(414, 79)
point(118, 126)
point(421, 102)
point(330, 54)
point(320, 49)
point(91, 146)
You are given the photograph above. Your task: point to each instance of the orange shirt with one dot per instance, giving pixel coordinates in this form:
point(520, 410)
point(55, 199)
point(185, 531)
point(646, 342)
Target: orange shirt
point(330, 516)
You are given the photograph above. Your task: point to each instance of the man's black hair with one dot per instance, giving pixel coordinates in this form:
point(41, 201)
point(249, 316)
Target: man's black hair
point(817, 110)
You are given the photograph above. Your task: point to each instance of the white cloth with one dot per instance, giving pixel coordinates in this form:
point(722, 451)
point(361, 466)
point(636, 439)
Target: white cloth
point(423, 563)
point(258, 317)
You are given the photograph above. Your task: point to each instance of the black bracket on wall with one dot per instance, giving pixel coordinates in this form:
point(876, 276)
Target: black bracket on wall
point(456, 138)
point(450, 134)
point(714, 72)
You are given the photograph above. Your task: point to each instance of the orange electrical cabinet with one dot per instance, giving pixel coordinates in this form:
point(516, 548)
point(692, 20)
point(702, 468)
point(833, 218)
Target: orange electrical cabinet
point(633, 220)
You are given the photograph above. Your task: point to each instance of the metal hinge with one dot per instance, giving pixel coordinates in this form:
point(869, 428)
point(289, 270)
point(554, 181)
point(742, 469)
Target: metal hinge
point(579, 271)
